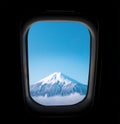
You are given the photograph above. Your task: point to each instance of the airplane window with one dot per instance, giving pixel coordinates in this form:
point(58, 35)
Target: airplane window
point(58, 62)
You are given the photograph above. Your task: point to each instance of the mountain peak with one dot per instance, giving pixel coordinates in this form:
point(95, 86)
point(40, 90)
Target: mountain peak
point(57, 73)
point(56, 76)
point(57, 84)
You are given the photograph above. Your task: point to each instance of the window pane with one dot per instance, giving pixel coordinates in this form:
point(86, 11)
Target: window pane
point(58, 62)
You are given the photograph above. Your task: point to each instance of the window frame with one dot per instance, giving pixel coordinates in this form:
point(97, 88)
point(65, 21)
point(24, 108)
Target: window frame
point(92, 68)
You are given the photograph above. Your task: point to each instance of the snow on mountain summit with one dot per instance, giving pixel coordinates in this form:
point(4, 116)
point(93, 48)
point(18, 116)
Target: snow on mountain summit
point(55, 77)
point(57, 84)
point(52, 78)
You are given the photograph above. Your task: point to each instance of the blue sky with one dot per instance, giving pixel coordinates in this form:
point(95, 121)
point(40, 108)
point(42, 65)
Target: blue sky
point(58, 47)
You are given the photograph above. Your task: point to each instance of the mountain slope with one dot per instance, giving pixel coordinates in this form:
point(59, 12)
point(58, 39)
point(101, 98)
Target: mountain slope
point(57, 84)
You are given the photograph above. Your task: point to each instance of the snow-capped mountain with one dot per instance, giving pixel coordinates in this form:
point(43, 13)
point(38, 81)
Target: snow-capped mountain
point(57, 84)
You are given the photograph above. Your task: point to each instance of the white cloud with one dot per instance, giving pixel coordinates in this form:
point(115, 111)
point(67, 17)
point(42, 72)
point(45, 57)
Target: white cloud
point(59, 100)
